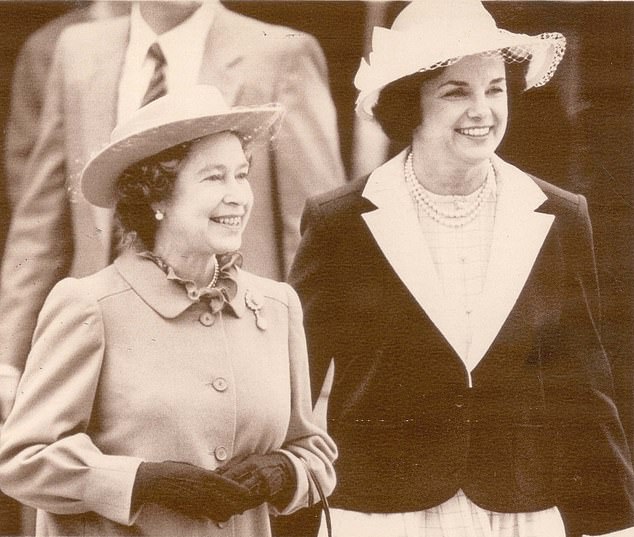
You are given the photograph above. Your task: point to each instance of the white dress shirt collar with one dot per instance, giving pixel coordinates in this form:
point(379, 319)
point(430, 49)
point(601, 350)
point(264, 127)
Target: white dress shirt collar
point(183, 47)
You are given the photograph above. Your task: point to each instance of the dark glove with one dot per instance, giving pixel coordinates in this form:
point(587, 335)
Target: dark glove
point(269, 478)
point(189, 490)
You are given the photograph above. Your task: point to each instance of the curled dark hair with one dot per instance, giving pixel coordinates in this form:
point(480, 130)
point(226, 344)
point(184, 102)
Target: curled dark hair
point(142, 184)
point(398, 109)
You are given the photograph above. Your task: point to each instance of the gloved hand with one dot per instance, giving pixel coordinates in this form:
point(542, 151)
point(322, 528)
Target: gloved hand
point(269, 478)
point(189, 490)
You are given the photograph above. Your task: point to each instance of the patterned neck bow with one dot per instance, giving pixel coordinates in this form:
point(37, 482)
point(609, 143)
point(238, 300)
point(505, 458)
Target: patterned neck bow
point(216, 296)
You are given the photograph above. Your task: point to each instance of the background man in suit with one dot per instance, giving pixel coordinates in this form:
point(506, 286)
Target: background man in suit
point(101, 72)
point(28, 89)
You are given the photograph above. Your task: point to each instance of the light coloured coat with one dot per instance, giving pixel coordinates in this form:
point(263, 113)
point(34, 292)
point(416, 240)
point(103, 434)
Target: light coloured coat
point(126, 368)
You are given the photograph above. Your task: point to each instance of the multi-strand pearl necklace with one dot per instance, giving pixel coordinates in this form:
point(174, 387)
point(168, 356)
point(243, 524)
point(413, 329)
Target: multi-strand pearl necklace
point(463, 212)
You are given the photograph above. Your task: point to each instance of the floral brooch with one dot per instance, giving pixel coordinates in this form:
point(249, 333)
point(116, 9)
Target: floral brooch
point(254, 301)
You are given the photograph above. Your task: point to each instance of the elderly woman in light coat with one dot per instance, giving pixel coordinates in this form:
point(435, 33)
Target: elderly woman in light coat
point(168, 394)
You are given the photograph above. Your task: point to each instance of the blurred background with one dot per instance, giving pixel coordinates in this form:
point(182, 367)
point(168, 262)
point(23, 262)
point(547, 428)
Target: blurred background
point(577, 132)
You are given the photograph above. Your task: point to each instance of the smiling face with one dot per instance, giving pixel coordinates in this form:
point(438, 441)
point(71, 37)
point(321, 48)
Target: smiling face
point(211, 201)
point(464, 112)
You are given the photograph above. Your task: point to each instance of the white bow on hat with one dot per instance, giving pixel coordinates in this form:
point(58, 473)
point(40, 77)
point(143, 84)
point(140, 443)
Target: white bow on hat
point(429, 34)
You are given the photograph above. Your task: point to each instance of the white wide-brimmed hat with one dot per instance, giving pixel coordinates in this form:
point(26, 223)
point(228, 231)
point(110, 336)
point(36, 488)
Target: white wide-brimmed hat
point(429, 34)
point(171, 120)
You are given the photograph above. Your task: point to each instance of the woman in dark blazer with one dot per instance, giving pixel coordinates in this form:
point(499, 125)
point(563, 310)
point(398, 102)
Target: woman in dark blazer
point(457, 297)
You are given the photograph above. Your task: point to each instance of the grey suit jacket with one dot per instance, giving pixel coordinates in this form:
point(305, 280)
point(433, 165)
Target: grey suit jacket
point(55, 232)
point(28, 89)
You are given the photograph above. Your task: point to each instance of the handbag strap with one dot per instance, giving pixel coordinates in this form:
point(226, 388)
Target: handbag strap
point(322, 496)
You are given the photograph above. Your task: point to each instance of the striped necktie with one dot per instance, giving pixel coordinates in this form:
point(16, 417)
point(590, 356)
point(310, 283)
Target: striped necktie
point(157, 87)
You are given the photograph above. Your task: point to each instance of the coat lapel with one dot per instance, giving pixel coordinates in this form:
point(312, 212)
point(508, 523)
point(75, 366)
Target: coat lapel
point(395, 227)
point(518, 236)
point(224, 55)
point(101, 106)
point(90, 100)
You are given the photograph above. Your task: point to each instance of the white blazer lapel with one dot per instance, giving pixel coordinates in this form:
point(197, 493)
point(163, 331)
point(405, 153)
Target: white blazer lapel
point(395, 227)
point(518, 235)
point(224, 55)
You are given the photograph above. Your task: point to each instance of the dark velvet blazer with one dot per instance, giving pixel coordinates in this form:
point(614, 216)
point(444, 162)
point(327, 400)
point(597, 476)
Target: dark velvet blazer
point(532, 425)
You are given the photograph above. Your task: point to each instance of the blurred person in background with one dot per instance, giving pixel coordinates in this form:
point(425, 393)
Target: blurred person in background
point(28, 89)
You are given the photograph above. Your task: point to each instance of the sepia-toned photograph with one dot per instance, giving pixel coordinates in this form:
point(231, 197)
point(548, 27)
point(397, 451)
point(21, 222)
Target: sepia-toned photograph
point(317, 268)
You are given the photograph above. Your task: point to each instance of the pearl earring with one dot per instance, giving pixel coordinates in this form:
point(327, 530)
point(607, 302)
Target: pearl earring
point(159, 215)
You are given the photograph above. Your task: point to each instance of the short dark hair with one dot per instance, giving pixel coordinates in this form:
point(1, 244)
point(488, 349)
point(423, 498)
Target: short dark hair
point(142, 184)
point(398, 108)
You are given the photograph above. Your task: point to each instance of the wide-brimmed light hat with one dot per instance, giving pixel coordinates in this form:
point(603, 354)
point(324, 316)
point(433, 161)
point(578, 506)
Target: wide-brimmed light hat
point(171, 120)
point(429, 34)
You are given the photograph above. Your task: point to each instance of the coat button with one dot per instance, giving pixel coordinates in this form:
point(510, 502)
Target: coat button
point(220, 384)
point(206, 318)
point(221, 453)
